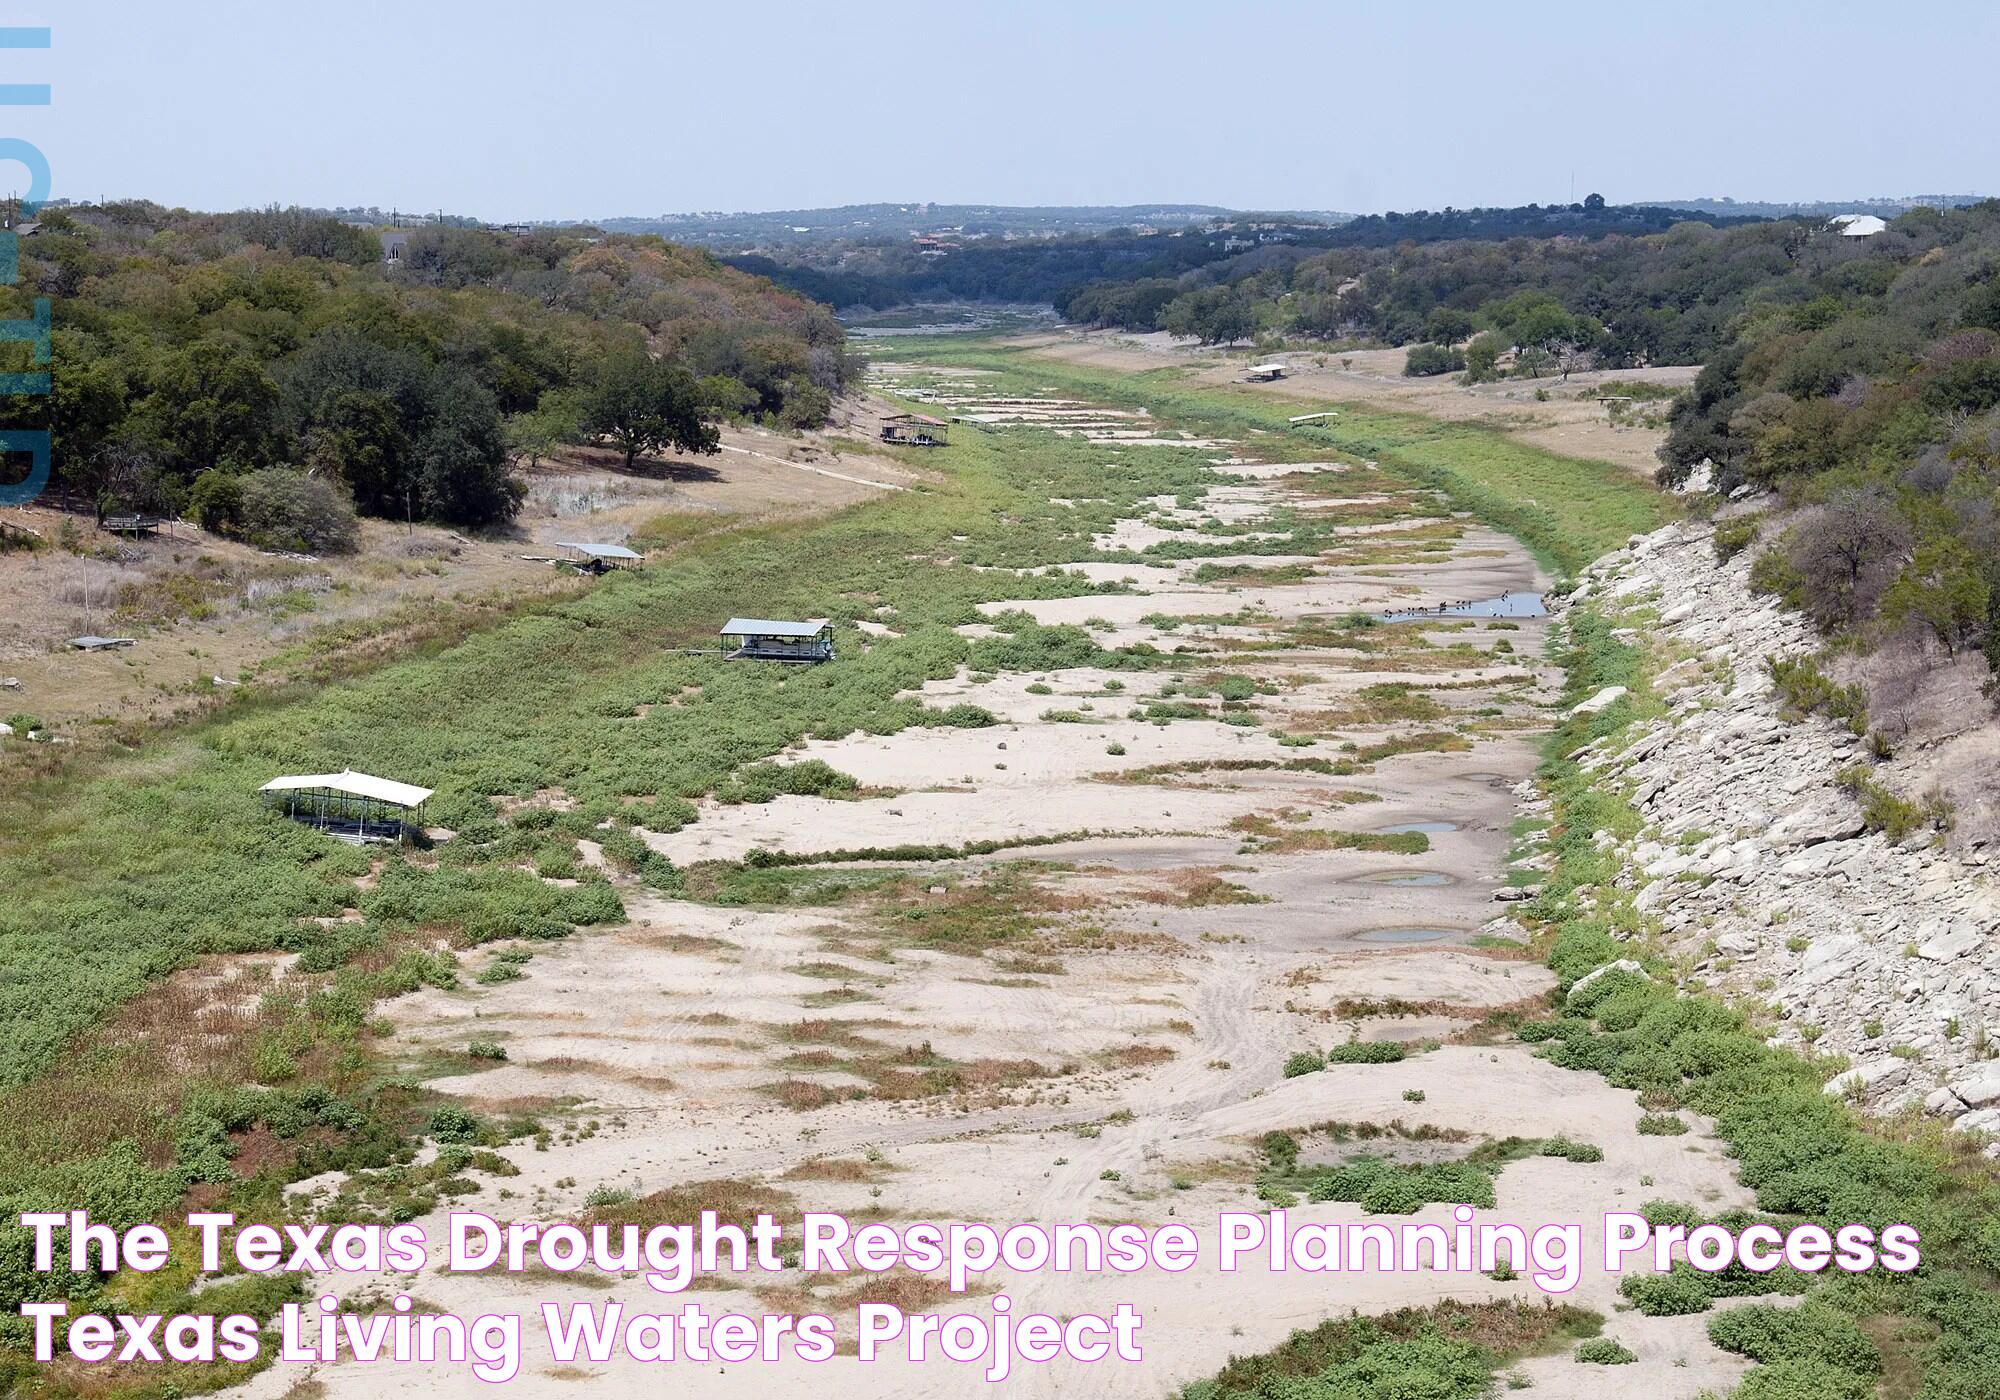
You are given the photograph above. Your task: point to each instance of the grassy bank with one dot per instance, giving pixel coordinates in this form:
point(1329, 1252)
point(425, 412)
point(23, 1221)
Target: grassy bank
point(1808, 1156)
point(1567, 510)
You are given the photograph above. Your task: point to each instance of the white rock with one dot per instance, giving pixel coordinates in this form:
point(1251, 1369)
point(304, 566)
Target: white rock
point(1978, 1085)
point(1947, 947)
point(1944, 1101)
point(1611, 694)
point(1985, 1120)
point(1870, 1076)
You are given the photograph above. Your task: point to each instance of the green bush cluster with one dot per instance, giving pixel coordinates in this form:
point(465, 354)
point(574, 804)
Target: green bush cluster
point(1806, 689)
point(1304, 1062)
point(1603, 1351)
point(766, 782)
point(1571, 1151)
point(1732, 537)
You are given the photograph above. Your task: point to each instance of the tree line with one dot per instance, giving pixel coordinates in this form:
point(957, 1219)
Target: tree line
point(196, 355)
point(1126, 277)
point(1859, 376)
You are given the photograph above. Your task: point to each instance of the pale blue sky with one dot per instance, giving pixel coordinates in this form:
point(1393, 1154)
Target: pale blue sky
point(599, 107)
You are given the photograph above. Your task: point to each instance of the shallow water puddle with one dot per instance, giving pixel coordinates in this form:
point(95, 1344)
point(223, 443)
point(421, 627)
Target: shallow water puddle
point(1433, 828)
point(1425, 878)
point(1404, 935)
point(1501, 605)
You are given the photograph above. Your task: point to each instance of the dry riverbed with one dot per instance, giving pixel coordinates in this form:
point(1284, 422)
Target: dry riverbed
point(1186, 904)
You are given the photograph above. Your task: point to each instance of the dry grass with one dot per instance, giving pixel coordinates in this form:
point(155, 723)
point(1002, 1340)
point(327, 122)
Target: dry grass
point(735, 1201)
point(1137, 1056)
point(541, 1275)
point(850, 1169)
point(577, 1064)
point(1196, 888)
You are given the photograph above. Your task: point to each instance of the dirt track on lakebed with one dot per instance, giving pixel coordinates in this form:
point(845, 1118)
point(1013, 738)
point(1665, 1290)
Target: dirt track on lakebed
point(1123, 1057)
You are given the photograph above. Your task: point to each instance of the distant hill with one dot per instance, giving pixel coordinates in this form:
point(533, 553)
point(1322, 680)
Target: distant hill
point(1887, 208)
point(863, 222)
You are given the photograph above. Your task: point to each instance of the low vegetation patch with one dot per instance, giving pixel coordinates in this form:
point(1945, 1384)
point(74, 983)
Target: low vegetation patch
point(1449, 1351)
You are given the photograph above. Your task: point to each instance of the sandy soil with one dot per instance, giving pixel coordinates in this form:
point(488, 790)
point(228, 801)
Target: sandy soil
point(1153, 1022)
point(1569, 421)
point(207, 612)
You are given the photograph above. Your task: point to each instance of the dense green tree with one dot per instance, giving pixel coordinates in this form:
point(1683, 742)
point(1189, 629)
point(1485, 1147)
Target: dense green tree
point(1447, 325)
point(186, 344)
point(1944, 589)
point(1432, 359)
point(646, 405)
point(461, 457)
point(556, 421)
point(209, 405)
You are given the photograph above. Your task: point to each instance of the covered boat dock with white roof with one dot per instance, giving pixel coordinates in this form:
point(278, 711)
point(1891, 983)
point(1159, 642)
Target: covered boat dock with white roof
point(771, 639)
point(352, 806)
point(598, 557)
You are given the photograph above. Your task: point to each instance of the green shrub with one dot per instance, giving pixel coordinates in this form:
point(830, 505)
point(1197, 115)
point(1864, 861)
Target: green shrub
point(959, 717)
point(1895, 817)
point(1810, 1380)
point(1385, 1187)
point(1425, 360)
point(454, 1124)
point(766, 782)
point(1661, 1125)
point(1673, 1294)
point(1366, 1052)
point(279, 509)
point(1603, 1351)
point(1773, 575)
point(1304, 1062)
point(1572, 1151)
point(1732, 537)
point(1806, 689)
point(1811, 1331)
point(1393, 1193)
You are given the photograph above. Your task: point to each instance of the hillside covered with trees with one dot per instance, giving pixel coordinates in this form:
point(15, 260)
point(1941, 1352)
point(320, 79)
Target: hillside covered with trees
point(1863, 383)
point(1859, 377)
point(269, 368)
point(1076, 274)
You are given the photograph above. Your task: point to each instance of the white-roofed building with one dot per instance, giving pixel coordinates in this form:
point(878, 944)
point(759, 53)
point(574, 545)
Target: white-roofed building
point(772, 639)
point(1857, 225)
point(596, 558)
point(353, 806)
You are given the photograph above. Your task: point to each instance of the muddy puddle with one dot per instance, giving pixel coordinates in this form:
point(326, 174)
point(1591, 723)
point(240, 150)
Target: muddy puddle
point(1406, 935)
point(1500, 605)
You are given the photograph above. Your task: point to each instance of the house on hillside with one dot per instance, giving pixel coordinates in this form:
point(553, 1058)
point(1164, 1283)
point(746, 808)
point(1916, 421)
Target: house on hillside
point(1857, 225)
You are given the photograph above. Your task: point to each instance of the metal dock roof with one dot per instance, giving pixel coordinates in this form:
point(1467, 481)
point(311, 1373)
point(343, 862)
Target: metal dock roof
point(354, 785)
point(770, 627)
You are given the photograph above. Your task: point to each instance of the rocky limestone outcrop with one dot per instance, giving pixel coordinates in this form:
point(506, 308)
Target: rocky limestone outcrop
point(1758, 866)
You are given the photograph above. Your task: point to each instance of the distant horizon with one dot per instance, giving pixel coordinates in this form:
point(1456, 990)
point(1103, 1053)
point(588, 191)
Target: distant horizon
point(418, 215)
point(509, 112)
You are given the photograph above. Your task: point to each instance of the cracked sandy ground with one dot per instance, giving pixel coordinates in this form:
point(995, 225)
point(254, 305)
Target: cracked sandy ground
point(1157, 1028)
